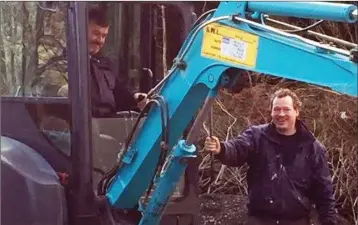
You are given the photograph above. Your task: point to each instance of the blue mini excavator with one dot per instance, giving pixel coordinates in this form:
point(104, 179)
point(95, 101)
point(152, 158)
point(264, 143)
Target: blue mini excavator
point(221, 45)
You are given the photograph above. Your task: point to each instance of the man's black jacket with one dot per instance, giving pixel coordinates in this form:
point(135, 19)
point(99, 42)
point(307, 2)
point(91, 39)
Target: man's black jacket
point(110, 93)
point(283, 182)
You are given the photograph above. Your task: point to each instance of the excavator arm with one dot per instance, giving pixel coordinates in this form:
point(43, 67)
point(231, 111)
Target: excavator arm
point(226, 39)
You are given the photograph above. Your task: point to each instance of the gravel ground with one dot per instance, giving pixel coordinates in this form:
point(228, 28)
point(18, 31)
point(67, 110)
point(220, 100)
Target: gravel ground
point(223, 209)
point(231, 210)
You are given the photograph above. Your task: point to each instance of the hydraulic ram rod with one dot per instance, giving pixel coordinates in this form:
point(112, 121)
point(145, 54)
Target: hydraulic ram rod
point(309, 10)
point(323, 36)
point(355, 14)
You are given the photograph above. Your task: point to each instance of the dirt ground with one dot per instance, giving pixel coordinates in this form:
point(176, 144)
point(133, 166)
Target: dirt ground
point(231, 210)
point(223, 209)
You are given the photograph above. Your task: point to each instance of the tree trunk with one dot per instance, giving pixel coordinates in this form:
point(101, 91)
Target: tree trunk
point(32, 31)
point(4, 87)
point(12, 35)
point(164, 40)
point(25, 34)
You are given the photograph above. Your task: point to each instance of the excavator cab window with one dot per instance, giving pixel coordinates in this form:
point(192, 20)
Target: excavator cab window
point(33, 66)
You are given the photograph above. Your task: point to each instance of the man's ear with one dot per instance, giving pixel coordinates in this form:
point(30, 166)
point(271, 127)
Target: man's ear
point(297, 112)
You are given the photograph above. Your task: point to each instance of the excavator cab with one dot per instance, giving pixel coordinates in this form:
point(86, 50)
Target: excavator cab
point(51, 146)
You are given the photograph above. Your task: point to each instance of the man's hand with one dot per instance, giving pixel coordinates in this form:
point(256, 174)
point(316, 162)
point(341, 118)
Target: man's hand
point(141, 99)
point(212, 144)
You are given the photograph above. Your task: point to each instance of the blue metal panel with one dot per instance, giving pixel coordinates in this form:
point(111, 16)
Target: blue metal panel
point(134, 178)
point(30, 187)
point(167, 182)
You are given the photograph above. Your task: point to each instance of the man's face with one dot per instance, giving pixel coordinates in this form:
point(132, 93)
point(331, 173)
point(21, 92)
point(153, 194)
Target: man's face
point(284, 115)
point(96, 37)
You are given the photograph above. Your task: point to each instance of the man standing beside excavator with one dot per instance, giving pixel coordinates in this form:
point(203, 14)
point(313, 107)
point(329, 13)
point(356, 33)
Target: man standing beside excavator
point(288, 168)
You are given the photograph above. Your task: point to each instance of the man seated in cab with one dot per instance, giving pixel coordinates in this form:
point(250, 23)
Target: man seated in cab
point(109, 92)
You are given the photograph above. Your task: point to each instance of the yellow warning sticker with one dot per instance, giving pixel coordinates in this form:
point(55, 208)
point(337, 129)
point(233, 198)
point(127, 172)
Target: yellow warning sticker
point(231, 45)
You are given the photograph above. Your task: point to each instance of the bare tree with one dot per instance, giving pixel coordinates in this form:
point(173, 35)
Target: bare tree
point(3, 86)
point(164, 33)
point(32, 47)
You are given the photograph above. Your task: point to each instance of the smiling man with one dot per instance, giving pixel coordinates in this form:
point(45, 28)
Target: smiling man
point(109, 91)
point(288, 170)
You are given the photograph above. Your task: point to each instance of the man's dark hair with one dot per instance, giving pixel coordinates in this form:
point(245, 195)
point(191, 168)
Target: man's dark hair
point(97, 14)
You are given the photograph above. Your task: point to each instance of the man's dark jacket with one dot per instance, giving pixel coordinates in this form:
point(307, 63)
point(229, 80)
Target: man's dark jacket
point(283, 187)
point(110, 93)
